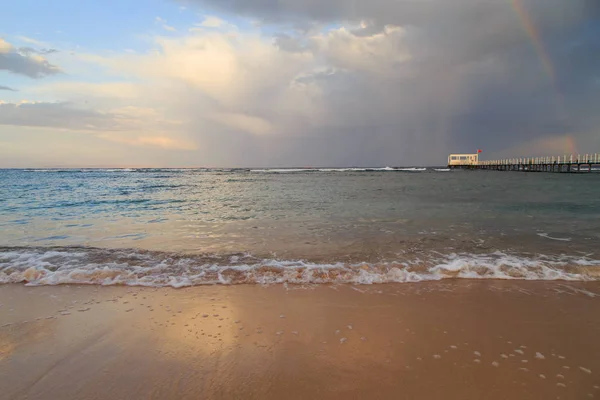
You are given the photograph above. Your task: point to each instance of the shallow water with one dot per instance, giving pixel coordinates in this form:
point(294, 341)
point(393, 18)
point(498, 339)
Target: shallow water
point(191, 226)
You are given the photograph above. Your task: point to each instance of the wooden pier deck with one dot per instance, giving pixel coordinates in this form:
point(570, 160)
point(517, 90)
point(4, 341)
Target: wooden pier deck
point(567, 164)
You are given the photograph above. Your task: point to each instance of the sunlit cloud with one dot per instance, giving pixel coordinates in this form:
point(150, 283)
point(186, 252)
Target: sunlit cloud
point(25, 61)
point(212, 22)
point(163, 142)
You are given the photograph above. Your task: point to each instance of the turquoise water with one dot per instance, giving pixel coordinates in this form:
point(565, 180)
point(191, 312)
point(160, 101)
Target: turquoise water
point(464, 223)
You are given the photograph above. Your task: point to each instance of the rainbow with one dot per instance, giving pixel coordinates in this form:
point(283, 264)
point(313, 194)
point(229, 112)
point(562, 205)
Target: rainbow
point(535, 38)
point(570, 145)
point(548, 67)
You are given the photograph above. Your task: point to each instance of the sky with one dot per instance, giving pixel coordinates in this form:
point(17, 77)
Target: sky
point(282, 83)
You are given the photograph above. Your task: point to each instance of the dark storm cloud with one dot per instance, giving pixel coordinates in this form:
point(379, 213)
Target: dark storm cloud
point(475, 76)
point(447, 16)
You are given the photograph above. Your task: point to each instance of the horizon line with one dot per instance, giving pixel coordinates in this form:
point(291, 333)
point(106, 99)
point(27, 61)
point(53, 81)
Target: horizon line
point(253, 167)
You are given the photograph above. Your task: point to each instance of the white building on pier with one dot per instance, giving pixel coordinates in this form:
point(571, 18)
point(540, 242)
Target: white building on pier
point(463, 159)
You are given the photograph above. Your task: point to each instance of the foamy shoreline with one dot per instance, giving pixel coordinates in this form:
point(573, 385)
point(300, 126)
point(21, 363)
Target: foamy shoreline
point(130, 267)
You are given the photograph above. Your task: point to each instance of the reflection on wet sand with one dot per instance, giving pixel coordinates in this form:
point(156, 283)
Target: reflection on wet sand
point(457, 339)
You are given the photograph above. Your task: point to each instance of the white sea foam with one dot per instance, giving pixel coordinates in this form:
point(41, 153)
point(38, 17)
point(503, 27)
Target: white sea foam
point(44, 266)
point(117, 170)
point(413, 169)
point(442, 169)
point(547, 236)
point(299, 170)
point(282, 171)
point(51, 170)
point(342, 169)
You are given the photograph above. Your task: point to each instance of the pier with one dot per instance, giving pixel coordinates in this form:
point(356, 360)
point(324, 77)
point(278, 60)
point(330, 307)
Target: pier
point(582, 163)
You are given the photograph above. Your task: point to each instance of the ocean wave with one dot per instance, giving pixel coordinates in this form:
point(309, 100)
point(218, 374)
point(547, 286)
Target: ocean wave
point(55, 266)
point(313, 170)
point(57, 171)
point(342, 169)
point(107, 170)
point(382, 169)
point(80, 170)
point(412, 169)
point(283, 170)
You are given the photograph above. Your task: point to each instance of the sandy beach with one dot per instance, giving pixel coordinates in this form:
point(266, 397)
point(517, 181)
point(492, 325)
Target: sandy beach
point(435, 340)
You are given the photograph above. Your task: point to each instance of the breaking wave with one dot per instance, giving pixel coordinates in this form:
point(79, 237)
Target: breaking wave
point(313, 170)
point(413, 169)
point(78, 265)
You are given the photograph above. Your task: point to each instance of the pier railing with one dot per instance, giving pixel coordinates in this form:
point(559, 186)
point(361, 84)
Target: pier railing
point(565, 163)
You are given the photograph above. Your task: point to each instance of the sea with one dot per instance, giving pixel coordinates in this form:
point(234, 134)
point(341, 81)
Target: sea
point(187, 227)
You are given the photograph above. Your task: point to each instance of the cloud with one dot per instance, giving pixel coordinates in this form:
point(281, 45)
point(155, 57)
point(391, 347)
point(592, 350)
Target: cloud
point(244, 123)
point(403, 13)
point(31, 40)
point(71, 116)
point(164, 142)
point(8, 88)
point(341, 82)
point(164, 25)
point(381, 52)
point(26, 61)
point(129, 125)
point(5, 47)
point(55, 115)
point(27, 51)
point(87, 92)
point(212, 22)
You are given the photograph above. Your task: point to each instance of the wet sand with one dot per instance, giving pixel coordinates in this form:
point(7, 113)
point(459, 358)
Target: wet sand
point(437, 340)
